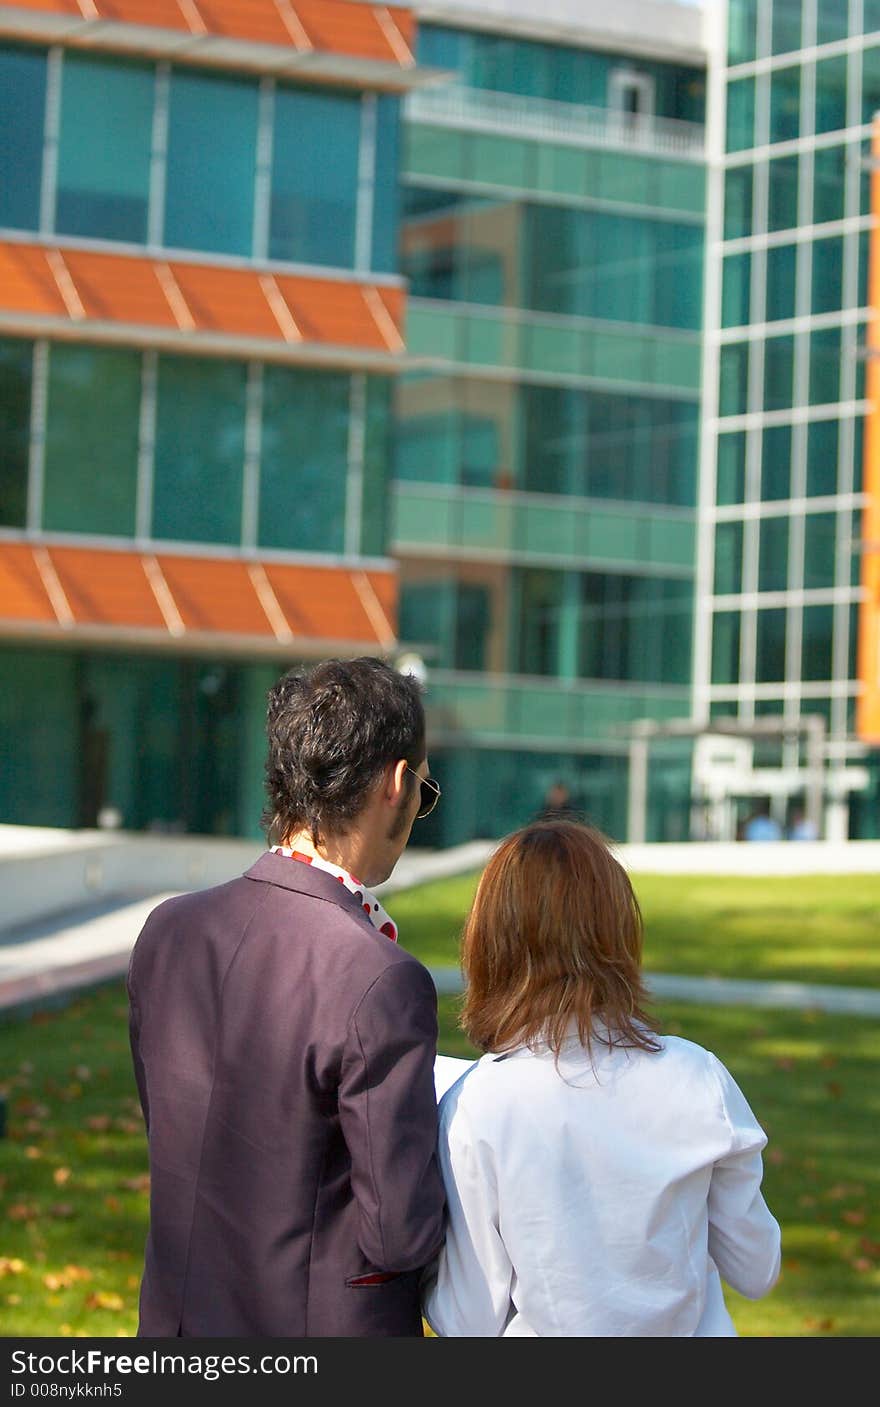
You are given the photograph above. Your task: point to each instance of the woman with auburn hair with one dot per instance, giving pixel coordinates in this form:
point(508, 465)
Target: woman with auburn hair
point(602, 1179)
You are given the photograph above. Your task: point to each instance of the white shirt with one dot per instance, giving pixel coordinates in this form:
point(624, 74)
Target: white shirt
point(599, 1201)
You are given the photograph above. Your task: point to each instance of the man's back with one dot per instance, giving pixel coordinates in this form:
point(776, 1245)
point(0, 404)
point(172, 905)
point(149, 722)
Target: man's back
point(284, 1054)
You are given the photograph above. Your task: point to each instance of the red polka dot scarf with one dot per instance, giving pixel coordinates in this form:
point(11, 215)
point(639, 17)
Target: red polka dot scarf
point(370, 904)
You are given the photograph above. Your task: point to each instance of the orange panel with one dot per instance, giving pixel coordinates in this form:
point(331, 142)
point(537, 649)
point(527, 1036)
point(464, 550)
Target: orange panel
point(26, 282)
point(868, 701)
point(60, 7)
point(257, 20)
point(320, 603)
point(226, 300)
point(167, 14)
point(327, 311)
point(345, 28)
point(22, 594)
point(118, 288)
point(106, 588)
point(215, 595)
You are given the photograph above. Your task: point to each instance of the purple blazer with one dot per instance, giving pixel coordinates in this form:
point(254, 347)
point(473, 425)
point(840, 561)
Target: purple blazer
point(284, 1053)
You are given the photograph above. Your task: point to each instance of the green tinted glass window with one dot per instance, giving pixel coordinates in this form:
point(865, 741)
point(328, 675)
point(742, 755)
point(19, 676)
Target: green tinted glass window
point(199, 456)
point(22, 108)
point(827, 275)
point(821, 457)
point(16, 358)
point(770, 648)
point(776, 462)
point(741, 114)
point(209, 195)
point(386, 188)
point(824, 365)
point(870, 83)
point(829, 183)
point(816, 650)
point(731, 467)
point(90, 483)
point(728, 559)
point(738, 182)
point(778, 372)
point(304, 459)
point(314, 201)
point(785, 34)
point(735, 290)
point(831, 93)
point(104, 148)
point(725, 647)
point(782, 203)
point(781, 270)
point(377, 468)
point(819, 549)
point(742, 19)
point(773, 554)
point(785, 100)
point(540, 610)
point(734, 378)
point(832, 21)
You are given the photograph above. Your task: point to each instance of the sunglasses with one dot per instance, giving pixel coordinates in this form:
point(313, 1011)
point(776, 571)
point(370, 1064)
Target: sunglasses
point(430, 794)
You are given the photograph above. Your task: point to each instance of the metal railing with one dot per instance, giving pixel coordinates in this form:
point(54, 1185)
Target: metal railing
point(537, 118)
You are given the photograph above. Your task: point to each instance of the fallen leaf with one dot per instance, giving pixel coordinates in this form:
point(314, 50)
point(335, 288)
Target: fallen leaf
point(10, 1265)
point(137, 1184)
point(60, 1176)
point(13, 1299)
point(854, 1218)
point(128, 1125)
point(112, 1204)
point(871, 1248)
point(98, 1122)
point(861, 1263)
point(834, 1088)
point(22, 1211)
point(104, 1299)
point(33, 1152)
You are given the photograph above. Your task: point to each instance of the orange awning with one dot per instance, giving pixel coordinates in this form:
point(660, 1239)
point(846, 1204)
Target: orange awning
point(69, 291)
point(135, 596)
point(348, 28)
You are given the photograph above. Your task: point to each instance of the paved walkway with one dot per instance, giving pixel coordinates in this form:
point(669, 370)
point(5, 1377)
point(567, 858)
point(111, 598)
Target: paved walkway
point(44, 962)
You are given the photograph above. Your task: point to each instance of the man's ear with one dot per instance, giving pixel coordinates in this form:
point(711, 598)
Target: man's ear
point(396, 785)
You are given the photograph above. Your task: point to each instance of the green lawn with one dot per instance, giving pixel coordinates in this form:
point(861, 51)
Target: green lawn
point(813, 928)
point(73, 1187)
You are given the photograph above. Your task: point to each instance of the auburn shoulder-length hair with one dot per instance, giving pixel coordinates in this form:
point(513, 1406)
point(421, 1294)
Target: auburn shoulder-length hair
point(554, 935)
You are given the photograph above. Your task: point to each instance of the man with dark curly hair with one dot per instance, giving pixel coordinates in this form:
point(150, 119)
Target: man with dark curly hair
point(284, 1044)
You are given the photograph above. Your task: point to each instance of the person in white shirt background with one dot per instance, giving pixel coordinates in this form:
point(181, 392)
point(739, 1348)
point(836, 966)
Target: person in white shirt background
point(602, 1179)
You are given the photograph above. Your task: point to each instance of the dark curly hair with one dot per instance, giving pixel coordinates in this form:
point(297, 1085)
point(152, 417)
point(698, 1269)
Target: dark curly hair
point(332, 730)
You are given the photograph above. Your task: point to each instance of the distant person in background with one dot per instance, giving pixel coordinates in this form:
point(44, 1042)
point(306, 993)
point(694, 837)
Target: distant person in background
point(801, 827)
point(602, 1179)
point(760, 825)
point(557, 802)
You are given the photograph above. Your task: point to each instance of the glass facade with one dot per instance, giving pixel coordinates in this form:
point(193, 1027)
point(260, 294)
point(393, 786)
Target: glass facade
point(136, 160)
point(788, 445)
point(180, 450)
point(104, 149)
point(509, 64)
point(22, 115)
point(546, 464)
point(91, 461)
point(16, 369)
